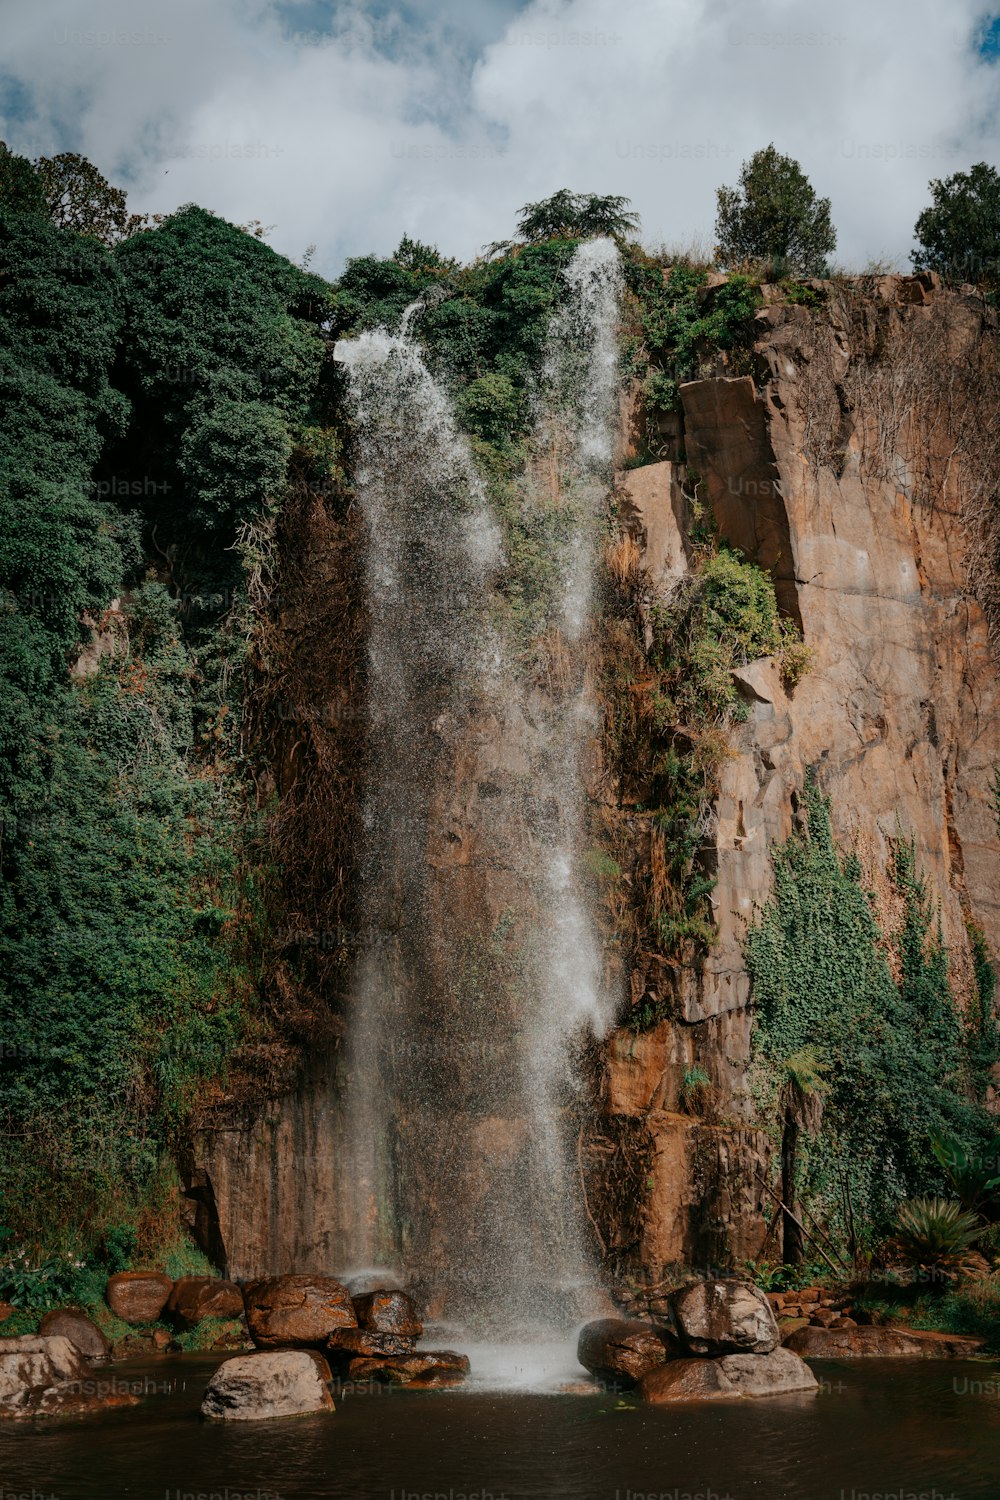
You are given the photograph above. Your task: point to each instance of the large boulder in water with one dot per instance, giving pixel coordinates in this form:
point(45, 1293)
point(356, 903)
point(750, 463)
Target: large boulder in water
point(388, 1311)
point(195, 1298)
point(259, 1387)
point(138, 1296)
point(83, 1333)
point(725, 1317)
point(354, 1343)
point(686, 1380)
point(880, 1343)
point(49, 1377)
point(620, 1350)
point(780, 1373)
point(430, 1369)
point(296, 1311)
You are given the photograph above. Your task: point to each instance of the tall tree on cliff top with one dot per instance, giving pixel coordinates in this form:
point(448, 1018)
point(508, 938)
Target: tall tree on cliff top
point(959, 235)
point(774, 214)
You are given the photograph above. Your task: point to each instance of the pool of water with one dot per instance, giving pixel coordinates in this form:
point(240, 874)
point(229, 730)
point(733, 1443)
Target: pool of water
point(896, 1430)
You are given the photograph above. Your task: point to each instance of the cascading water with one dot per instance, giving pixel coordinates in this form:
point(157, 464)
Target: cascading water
point(481, 973)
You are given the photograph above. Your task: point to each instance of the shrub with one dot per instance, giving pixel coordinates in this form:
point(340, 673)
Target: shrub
point(936, 1236)
point(959, 234)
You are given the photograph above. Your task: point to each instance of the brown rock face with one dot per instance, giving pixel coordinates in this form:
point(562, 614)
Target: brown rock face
point(259, 1387)
point(779, 1373)
point(138, 1296)
point(388, 1312)
point(431, 1369)
point(620, 1350)
point(686, 1380)
point(83, 1333)
point(296, 1310)
point(879, 1343)
point(49, 1377)
point(725, 1317)
point(197, 1297)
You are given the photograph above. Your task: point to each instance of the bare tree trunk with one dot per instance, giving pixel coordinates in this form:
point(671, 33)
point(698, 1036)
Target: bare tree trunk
point(793, 1251)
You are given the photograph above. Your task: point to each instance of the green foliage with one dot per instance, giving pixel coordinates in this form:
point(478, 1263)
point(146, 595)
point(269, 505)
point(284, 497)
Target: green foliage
point(78, 197)
point(898, 1058)
point(774, 215)
point(959, 234)
point(974, 1177)
point(935, 1235)
point(153, 399)
point(686, 324)
point(569, 215)
point(20, 188)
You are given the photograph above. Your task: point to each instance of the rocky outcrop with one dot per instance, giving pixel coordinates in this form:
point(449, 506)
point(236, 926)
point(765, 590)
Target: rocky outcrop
point(47, 1376)
point(725, 1317)
point(879, 1343)
point(195, 1298)
point(83, 1333)
point(619, 1350)
point(138, 1296)
point(289, 1311)
point(353, 1343)
point(260, 1387)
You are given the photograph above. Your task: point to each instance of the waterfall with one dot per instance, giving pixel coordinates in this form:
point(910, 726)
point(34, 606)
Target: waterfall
point(480, 976)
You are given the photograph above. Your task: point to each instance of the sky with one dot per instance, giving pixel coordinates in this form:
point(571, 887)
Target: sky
point(345, 123)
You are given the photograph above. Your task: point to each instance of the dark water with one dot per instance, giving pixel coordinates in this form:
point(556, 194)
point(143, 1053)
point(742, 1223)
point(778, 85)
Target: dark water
point(892, 1430)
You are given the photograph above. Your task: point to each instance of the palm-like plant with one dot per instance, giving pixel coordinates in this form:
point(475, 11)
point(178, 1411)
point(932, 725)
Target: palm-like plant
point(936, 1237)
point(975, 1178)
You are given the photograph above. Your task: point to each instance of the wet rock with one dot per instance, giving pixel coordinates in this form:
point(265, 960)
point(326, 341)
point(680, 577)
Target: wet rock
point(259, 1387)
point(388, 1311)
point(290, 1311)
point(195, 1298)
point(620, 1350)
point(83, 1333)
point(686, 1380)
point(725, 1317)
point(431, 1369)
point(779, 1373)
point(360, 1342)
point(879, 1343)
point(47, 1376)
point(138, 1296)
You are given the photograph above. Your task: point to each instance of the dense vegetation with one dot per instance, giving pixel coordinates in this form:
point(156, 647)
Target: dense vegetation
point(893, 1061)
point(154, 395)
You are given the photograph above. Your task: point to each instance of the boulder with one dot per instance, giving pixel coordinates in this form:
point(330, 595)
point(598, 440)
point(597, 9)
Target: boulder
point(296, 1311)
point(359, 1342)
point(779, 1373)
point(429, 1370)
point(725, 1317)
point(388, 1311)
point(138, 1296)
point(197, 1297)
point(620, 1350)
point(258, 1387)
point(47, 1376)
point(878, 1342)
point(83, 1333)
point(687, 1380)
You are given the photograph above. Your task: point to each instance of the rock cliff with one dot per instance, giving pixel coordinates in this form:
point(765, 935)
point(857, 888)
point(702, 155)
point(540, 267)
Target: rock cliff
point(842, 466)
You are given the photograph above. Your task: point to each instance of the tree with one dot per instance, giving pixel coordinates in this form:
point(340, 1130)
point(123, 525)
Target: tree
point(568, 215)
point(774, 214)
point(79, 197)
point(959, 235)
point(20, 188)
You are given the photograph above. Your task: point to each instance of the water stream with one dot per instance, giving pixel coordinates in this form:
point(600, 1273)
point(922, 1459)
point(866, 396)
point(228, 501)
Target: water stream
point(481, 972)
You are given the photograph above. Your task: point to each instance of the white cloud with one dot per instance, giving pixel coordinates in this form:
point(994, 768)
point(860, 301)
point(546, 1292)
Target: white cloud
point(385, 125)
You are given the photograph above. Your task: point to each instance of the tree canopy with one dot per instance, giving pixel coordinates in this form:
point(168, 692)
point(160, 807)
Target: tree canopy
point(959, 234)
point(774, 214)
